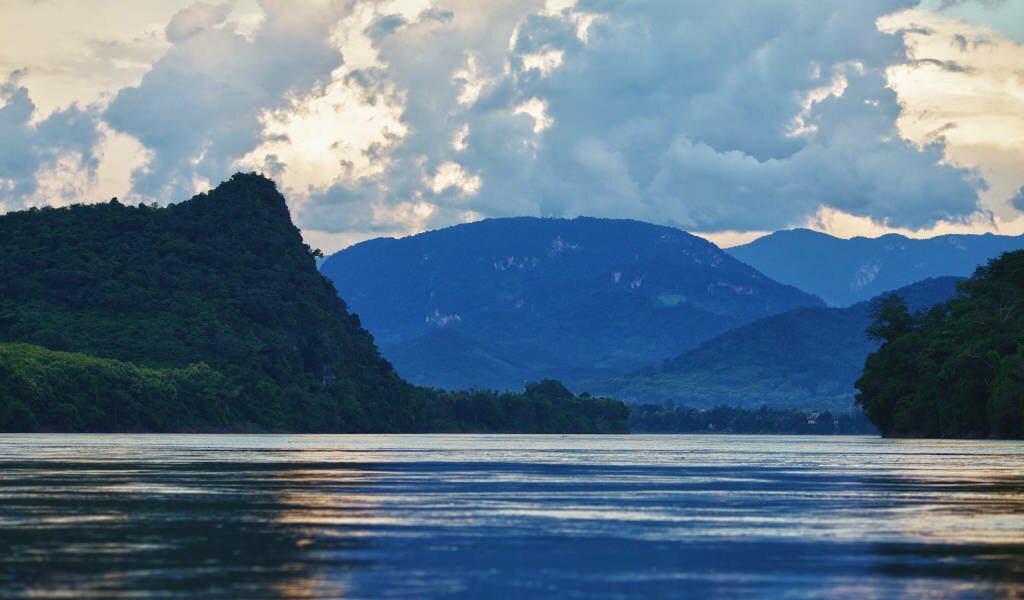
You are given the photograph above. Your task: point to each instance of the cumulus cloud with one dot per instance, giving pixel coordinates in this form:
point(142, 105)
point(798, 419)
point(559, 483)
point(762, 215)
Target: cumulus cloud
point(65, 138)
point(198, 108)
point(392, 116)
point(730, 116)
point(961, 88)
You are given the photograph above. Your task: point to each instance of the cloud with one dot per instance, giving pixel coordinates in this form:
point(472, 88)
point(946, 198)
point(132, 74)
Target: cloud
point(198, 108)
point(731, 116)
point(392, 116)
point(974, 112)
point(66, 137)
point(1017, 201)
point(196, 19)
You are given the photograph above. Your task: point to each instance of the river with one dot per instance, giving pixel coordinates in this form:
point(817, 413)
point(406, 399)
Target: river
point(500, 516)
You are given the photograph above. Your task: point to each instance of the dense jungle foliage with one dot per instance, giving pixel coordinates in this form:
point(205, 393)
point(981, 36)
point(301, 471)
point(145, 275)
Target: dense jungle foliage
point(956, 370)
point(210, 315)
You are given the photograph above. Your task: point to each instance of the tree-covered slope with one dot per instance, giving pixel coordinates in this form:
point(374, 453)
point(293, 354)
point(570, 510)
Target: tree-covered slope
point(63, 391)
point(220, 286)
point(845, 271)
point(806, 358)
point(222, 279)
point(529, 298)
point(956, 370)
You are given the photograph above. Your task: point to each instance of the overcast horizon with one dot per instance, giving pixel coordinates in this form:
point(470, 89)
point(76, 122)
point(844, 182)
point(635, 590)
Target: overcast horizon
point(389, 118)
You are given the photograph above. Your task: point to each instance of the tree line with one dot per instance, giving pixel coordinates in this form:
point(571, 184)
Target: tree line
point(44, 390)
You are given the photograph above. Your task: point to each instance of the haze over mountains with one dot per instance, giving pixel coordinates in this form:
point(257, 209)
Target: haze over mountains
point(807, 358)
point(502, 301)
point(640, 312)
point(845, 271)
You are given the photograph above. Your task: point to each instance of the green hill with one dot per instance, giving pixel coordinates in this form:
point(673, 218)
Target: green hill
point(219, 286)
point(806, 358)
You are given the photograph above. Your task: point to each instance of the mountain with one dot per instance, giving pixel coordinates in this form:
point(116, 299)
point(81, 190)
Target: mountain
point(808, 358)
point(843, 272)
point(956, 371)
point(209, 314)
point(502, 301)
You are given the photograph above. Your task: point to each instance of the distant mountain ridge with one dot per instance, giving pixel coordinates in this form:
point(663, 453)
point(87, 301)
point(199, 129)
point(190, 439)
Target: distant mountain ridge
point(845, 271)
point(502, 301)
point(808, 358)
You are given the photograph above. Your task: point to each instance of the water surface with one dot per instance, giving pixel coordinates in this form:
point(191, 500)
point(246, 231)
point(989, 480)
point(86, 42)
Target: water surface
point(509, 516)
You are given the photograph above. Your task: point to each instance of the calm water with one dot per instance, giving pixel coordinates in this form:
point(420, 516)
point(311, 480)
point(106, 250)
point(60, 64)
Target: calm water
point(510, 516)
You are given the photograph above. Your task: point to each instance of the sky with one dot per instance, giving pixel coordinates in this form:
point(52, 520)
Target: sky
point(728, 119)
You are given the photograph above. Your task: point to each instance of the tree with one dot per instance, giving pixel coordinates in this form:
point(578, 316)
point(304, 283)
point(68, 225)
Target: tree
point(890, 318)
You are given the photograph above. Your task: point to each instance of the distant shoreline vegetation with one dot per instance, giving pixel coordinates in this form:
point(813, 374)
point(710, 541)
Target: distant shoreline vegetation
point(657, 418)
point(956, 370)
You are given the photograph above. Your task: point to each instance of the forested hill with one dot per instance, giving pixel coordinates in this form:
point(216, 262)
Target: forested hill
point(214, 302)
point(222, 279)
point(956, 370)
point(502, 301)
point(845, 271)
point(806, 359)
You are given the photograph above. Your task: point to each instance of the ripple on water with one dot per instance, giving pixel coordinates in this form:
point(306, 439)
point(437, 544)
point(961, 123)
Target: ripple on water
point(498, 516)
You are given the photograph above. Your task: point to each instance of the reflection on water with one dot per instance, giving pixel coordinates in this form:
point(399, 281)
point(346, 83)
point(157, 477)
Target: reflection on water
point(519, 516)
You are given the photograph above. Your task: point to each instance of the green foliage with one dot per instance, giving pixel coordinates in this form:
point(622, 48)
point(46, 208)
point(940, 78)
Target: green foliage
point(61, 391)
point(545, 407)
point(956, 370)
point(891, 318)
point(208, 314)
point(656, 418)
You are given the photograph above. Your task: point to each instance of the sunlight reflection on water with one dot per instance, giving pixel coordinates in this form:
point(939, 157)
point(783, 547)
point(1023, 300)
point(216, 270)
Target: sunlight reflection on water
point(509, 516)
